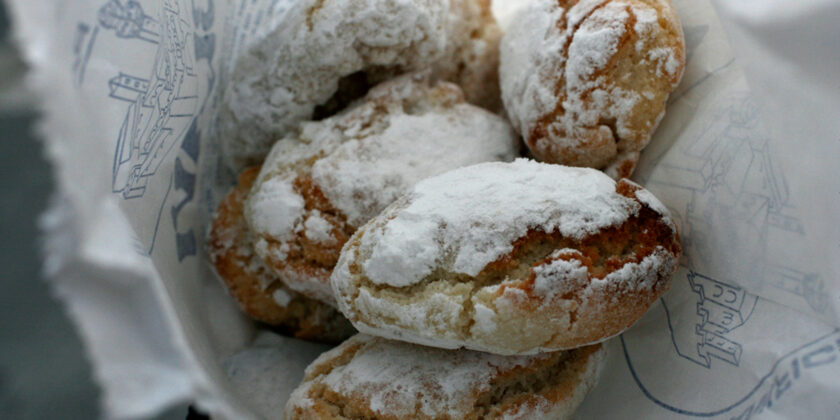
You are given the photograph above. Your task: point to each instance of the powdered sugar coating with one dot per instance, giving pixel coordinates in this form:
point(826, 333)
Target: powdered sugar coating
point(574, 89)
point(508, 258)
point(561, 275)
point(456, 375)
point(277, 82)
point(259, 293)
point(363, 159)
point(474, 214)
point(275, 208)
point(298, 62)
point(391, 379)
point(317, 229)
point(281, 297)
point(360, 177)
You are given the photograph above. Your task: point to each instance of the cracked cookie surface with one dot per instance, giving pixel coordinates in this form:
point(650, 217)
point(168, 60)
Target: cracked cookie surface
point(323, 54)
point(259, 293)
point(509, 258)
point(373, 378)
point(316, 189)
point(586, 82)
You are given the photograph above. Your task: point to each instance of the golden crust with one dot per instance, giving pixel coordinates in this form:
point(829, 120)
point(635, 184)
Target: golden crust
point(626, 267)
point(306, 259)
point(414, 382)
point(624, 97)
point(591, 317)
point(330, 202)
point(253, 287)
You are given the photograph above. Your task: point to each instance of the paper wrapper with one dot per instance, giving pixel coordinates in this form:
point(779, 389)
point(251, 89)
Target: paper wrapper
point(744, 160)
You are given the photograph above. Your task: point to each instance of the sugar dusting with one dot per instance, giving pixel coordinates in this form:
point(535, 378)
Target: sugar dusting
point(275, 208)
point(556, 77)
point(279, 81)
point(561, 275)
point(363, 159)
point(400, 380)
point(391, 375)
point(362, 176)
point(465, 219)
point(588, 98)
point(317, 229)
point(281, 297)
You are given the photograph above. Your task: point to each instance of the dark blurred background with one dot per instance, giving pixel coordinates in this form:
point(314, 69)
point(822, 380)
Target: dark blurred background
point(44, 372)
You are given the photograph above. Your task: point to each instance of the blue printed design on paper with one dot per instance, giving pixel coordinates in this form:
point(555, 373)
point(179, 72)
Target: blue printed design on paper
point(721, 308)
point(726, 191)
point(162, 101)
point(161, 106)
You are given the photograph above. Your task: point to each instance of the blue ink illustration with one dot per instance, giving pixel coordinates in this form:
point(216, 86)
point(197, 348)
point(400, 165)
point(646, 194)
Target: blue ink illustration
point(722, 308)
point(161, 107)
point(185, 181)
point(83, 41)
point(727, 191)
point(128, 20)
point(768, 390)
point(163, 100)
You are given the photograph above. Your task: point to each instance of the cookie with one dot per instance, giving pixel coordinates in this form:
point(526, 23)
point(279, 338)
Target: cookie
point(586, 82)
point(325, 53)
point(472, 55)
point(374, 378)
point(509, 258)
point(260, 294)
point(315, 189)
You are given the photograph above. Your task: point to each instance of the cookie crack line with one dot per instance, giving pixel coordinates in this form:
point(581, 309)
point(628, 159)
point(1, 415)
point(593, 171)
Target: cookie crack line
point(540, 126)
point(523, 263)
point(310, 14)
point(561, 84)
point(574, 252)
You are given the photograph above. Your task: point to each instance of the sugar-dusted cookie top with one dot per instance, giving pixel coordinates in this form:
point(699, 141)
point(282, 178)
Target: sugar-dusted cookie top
point(316, 188)
point(260, 294)
point(322, 54)
point(510, 258)
point(374, 378)
point(586, 82)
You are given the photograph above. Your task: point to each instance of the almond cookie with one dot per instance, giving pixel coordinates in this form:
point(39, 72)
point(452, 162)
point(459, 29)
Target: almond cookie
point(472, 57)
point(315, 189)
point(509, 258)
point(324, 53)
point(586, 82)
point(260, 294)
point(374, 378)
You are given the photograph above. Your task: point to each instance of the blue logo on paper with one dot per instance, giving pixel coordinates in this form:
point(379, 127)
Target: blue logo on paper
point(721, 308)
point(734, 209)
point(706, 322)
point(161, 101)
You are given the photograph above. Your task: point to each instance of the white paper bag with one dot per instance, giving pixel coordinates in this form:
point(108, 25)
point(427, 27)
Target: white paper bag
point(744, 159)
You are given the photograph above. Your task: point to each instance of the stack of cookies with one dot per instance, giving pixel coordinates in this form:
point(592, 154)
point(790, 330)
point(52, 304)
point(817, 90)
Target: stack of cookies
point(385, 193)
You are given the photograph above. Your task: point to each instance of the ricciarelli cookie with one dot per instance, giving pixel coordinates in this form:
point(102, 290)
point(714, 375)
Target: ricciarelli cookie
point(325, 53)
point(374, 378)
point(260, 294)
point(586, 82)
point(509, 258)
point(472, 57)
point(316, 188)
